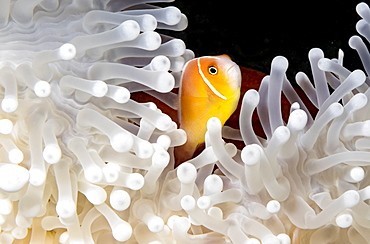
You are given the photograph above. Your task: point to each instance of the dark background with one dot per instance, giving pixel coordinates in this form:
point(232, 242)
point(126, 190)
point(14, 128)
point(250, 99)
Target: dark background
point(254, 32)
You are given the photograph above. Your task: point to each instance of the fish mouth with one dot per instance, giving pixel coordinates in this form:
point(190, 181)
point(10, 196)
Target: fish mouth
point(234, 73)
point(232, 68)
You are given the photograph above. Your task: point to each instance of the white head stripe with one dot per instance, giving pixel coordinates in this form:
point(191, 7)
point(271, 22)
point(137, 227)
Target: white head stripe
point(213, 89)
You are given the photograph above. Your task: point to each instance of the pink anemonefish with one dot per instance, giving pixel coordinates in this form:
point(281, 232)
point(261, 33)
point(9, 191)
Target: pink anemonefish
point(210, 87)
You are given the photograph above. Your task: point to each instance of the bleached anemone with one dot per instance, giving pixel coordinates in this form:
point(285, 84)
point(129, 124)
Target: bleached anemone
point(84, 163)
point(73, 155)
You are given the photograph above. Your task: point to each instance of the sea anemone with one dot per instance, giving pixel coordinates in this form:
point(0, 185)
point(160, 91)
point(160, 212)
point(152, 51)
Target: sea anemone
point(71, 136)
point(82, 162)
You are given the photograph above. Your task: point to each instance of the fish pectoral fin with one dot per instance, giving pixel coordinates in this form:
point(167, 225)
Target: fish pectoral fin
point(184, 153)
point(176, 104)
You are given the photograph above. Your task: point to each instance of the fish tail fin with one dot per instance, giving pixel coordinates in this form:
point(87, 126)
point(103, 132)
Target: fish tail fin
point(184, 153)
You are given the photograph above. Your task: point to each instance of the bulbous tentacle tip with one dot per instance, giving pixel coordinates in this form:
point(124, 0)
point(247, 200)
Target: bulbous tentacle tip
point(70, 125)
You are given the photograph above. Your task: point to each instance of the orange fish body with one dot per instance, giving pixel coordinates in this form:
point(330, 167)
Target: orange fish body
point(210, 87)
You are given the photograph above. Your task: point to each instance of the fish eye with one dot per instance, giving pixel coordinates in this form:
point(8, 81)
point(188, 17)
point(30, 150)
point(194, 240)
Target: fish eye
point(212, 70)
